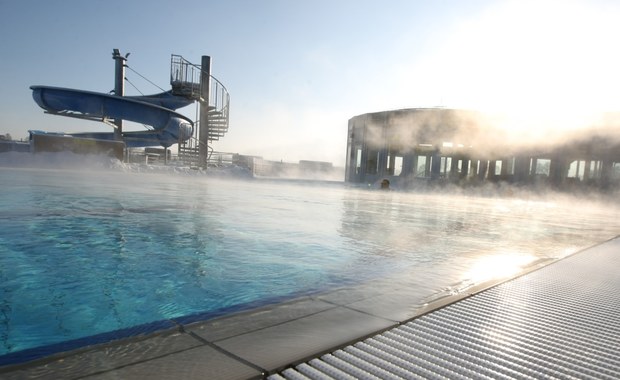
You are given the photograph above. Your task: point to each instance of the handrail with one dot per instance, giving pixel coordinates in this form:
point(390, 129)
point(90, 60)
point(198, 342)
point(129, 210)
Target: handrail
point(192, 78)
point(185, 81)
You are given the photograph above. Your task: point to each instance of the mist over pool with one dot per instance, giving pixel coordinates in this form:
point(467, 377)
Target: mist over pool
point(84, 252)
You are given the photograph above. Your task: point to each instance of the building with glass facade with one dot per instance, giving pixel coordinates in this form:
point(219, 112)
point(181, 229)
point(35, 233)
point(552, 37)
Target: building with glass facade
point(422, 146)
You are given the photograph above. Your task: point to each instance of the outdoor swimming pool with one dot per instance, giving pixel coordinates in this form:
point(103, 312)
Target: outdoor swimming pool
point(84, 253)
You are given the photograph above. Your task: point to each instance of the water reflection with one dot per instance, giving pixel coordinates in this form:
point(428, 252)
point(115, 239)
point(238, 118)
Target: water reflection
point(458, 241)
point(113, 251)
point(497, 265)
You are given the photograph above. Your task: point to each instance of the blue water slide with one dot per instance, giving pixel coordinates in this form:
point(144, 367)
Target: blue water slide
point(156, 111)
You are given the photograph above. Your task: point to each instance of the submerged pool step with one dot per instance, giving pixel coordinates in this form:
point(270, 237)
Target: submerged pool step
point(561, 321)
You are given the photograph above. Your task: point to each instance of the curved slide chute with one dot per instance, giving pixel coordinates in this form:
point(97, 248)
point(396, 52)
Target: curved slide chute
point(157, 111)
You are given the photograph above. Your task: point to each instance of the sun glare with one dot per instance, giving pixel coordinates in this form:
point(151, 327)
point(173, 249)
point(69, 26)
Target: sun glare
point(538, 66)
point(498, 265)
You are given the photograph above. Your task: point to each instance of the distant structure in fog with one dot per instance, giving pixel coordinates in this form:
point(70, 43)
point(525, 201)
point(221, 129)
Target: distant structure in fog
point(415, 147)
point(305, 169)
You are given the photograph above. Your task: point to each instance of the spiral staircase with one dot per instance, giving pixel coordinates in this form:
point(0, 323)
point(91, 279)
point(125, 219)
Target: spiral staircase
point(196, 82)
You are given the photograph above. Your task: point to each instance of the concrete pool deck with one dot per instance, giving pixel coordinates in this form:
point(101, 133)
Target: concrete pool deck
point(265, 341)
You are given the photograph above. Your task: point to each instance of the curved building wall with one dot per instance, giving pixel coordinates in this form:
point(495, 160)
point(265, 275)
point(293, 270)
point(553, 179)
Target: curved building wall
point(414, 147)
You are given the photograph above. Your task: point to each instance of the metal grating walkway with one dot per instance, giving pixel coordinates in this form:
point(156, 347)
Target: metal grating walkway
point(561, 321)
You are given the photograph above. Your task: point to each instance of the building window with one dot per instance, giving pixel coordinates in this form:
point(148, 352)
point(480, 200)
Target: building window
point(372, 165)
point(615, 171)
point(511, 166)
point(595, 169)
point(498, 167)
point(398, 165)
point(422, 167)
point(542, 166)
point(445, 166)
point(576, 169)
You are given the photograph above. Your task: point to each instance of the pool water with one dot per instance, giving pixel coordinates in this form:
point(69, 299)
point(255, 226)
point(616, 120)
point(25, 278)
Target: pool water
point(85, 253)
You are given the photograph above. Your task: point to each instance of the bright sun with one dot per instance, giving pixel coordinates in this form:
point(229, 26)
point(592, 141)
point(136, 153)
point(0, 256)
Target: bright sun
point(536, 65)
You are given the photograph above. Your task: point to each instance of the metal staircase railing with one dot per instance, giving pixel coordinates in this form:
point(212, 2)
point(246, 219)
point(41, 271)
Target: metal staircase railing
point(185, 81)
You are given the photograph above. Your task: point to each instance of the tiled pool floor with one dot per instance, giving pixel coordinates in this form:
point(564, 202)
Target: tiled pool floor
point(248, 345)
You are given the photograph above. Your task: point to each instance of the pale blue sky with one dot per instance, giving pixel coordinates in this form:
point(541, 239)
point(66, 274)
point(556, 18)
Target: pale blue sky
point(298, 70)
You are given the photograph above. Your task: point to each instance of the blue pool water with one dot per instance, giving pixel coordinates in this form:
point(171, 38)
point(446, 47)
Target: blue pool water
point(85, 253)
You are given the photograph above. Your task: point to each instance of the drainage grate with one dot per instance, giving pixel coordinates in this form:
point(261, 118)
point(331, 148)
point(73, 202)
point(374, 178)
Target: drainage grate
point(562, 321)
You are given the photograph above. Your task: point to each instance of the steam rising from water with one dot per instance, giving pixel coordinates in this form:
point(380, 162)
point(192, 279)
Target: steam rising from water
point(488, 134)
point(163, 246)
point(92, 164)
